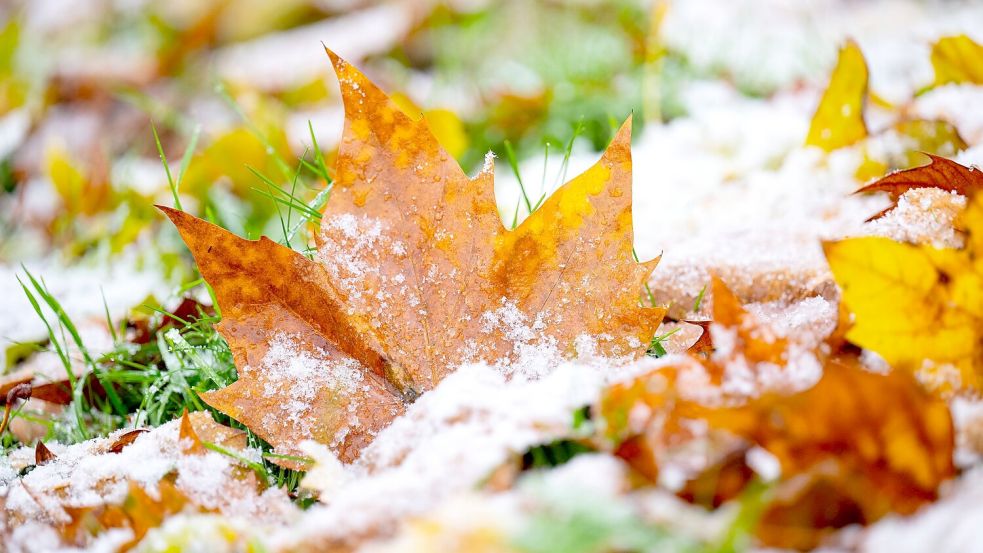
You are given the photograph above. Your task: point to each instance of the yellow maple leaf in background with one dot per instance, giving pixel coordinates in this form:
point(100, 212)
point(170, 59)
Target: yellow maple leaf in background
point(839, 118)
point(957, 59)
point(919, 307)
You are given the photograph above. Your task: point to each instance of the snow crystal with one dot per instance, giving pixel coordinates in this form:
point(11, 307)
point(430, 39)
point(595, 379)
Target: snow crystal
point(299, 374)
point(923, 216)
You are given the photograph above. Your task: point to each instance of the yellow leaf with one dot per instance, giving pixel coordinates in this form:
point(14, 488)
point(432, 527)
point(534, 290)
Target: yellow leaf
point(67, 179)
point(919, 307)
point(839, 119)
point(449, 130)
point(957, 59)
point(445, 125)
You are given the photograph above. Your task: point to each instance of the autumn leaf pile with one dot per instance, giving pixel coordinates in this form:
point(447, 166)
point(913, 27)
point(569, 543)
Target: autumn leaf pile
point(415, 281)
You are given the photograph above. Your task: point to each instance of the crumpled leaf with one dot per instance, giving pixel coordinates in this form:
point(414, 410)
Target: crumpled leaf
point(737, 358)
point(414, 275)
point(853, 448)
point(839, 118)
point(957, 59)
point(941, 173)
point(919, 307)
point(852, 445)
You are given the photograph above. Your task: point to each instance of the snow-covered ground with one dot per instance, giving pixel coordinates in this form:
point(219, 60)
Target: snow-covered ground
point(728, 189)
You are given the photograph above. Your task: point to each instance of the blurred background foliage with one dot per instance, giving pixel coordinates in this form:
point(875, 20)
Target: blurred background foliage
point(240, 89)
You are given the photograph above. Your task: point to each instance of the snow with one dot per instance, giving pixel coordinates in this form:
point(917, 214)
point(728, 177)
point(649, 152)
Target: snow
point(448, 440)
point(727, 189)
point(957, 103)
point(923, 216)
point(299, 373)
point(87, 474)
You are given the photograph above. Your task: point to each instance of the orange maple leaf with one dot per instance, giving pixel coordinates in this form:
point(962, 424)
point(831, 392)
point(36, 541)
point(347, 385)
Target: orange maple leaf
point(414, 275)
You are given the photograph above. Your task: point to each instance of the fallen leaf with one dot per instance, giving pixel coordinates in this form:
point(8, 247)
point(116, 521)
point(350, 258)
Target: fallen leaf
point(919, 137)
point(42, 454)
point(145, 512)
point(919, 307)
point(941, 173)
point(414, 275)
point(190, 442)
point(839, 118)
point(139, 512)
point(957, 59)
point(126, 439)
point(54, 391)
point(748, 337)
point(853, 448)
point(96, 485)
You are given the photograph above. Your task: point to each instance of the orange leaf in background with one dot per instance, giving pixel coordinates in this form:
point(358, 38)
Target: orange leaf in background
point(839, 118)
point(649, 415)
point(940, 173)
point(853, 448)
point(747, 335)
point(414, 275)
point(144, 512)
point(747, 341)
